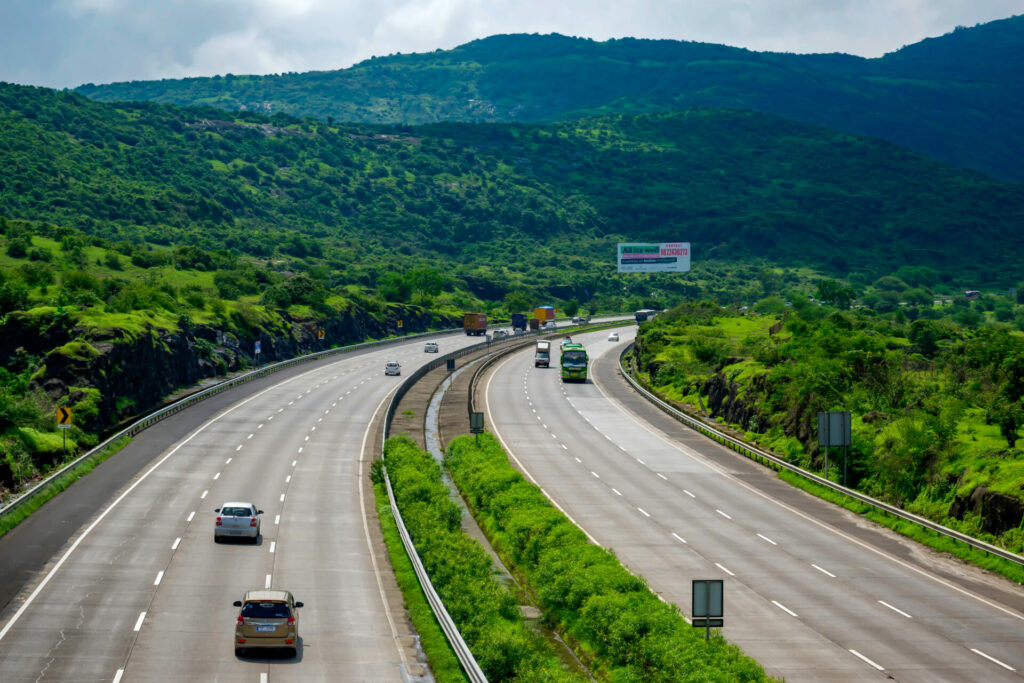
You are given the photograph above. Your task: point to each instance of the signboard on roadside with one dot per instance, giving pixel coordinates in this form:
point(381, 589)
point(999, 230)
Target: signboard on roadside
point(666, 257)
point(63, 418)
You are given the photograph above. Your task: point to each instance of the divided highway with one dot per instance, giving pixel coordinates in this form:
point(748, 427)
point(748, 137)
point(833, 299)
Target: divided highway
point(144, 594)
point(807, 599)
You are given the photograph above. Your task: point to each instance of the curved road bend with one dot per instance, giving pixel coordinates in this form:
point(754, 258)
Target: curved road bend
point(808, 600)
point(144, 594)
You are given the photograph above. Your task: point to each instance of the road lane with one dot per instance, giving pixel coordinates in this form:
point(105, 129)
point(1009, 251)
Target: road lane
point(81, 624)
point(647, 488)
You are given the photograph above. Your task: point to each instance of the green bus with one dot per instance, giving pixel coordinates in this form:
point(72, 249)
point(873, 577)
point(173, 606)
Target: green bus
point(574, 363)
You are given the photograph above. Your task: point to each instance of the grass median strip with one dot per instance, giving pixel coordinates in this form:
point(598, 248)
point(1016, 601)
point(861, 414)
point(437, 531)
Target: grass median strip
point(617, 622)
point(485, 611)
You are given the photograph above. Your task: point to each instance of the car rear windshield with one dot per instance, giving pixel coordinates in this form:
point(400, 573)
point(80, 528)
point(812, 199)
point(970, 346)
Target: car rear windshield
point(266, 610)
point(236, 512)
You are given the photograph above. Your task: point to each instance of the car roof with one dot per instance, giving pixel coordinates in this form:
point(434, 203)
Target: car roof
point(237, 504)
point(392, 362)
point(267, 595)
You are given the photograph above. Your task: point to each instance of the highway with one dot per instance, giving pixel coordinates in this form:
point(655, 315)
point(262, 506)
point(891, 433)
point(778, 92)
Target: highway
point(813, 593)
point(142, 593)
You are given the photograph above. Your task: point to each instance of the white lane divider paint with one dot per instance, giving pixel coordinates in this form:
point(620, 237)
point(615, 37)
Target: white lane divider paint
point(678, 537)
point(266, 584)
point(273, 544)
point(543, 425)
point(596, 475)
point(662, 476)
point(726, 571)
point(294, 463)
point(263, 677)
point(138, 622)
point(319, 419)
point(564, 447)
point(174, 546)
point(616, 492)
point(643, 512)
point(765, 538)
point(190, 516)
point(269, 418)
point(553, 436)
point(280, 410)
point(277, 519)
point(784, 608)
point(865, 659)
point(334, 404)
point(282, 497)
point(228, 461)
point(117, 676)
point(307, 438)
point(216, 476)
point(291, 402)
point(824, 571)
point(577, 460)
point(894, 609)
point(689, 494)
point(312, 429)
point(259, 426)
point(992, 659)
point(239, 447)
point(159, 578)
point(204, 494)
point(641, 461)
point(300, 449)
point(250, 436)
point(288, 479)
point(722, 513)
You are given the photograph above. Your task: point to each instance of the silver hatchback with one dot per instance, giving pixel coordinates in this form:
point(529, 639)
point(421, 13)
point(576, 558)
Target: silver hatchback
point(237, 520)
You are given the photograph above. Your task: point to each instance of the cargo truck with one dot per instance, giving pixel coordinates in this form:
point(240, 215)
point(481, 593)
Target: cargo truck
point(475, 324)
point(544, 313)
point(543, 355)
point(534, 324)
point(519, 321)
point(574, 363)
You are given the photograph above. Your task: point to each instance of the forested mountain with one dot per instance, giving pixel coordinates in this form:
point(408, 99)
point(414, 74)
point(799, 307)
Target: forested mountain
point(501, 205)
point(958, 98)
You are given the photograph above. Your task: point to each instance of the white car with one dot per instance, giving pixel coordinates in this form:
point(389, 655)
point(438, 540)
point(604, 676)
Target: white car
point(498, 334)
point(392, 367)
point(430, 347)
point(614, 336)
point(237, 520)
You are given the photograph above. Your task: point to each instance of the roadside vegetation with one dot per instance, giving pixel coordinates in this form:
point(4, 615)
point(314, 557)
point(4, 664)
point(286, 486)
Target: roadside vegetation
point(936, 393)
point(618, 625)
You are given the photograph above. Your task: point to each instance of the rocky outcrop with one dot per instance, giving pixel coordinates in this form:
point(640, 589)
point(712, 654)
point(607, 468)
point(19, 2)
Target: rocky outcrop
point(998, 512)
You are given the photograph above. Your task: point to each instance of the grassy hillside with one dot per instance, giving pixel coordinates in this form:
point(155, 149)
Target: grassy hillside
point(501, 208)
point(956, 97)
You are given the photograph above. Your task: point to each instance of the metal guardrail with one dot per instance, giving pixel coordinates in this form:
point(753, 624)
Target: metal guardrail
point(778, 463)
point(176, 407)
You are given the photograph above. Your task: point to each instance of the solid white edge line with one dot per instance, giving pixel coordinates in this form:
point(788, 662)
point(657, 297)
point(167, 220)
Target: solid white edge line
point(992, 659)
point(767, 539)
point(894, 609)
point(699, 457)
point(724, 569)
point(159, 578)
point(117, 676)
point(784, 608)
point(865, 659)
point(138, 622)
point(824, 571)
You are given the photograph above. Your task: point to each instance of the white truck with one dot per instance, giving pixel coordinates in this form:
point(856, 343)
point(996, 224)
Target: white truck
point(543, 354)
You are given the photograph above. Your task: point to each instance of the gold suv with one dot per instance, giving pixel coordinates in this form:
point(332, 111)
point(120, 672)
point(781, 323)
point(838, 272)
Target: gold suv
point(267, 618)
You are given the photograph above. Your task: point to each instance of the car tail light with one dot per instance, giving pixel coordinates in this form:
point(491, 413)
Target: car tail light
point(291, 620)
point(252, 522)
point(240, 620)
point(218, 522)
point(241, 640)
point(288, 641)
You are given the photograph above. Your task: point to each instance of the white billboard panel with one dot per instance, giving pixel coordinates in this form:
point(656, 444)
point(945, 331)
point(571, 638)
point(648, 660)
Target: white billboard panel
point(667, 257)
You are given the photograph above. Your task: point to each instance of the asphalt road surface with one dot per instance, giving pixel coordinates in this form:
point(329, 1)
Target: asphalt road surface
point(142, 593)
point(818, 596)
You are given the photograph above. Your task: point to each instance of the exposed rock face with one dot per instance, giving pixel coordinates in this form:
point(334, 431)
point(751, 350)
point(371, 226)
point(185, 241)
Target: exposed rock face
point(723, 401)
point(134, 371)
point(999, 512)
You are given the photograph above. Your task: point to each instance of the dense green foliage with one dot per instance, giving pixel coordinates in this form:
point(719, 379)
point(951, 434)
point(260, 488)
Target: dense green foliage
point(956, 97)
point(629, 632)
point(485, 611)
point(937, 402)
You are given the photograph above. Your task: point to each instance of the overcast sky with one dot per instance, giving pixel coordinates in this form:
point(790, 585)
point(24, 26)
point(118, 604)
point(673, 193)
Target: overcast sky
point(64, 43)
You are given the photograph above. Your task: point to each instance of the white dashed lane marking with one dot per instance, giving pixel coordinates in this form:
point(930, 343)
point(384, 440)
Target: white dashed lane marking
point(724, 569)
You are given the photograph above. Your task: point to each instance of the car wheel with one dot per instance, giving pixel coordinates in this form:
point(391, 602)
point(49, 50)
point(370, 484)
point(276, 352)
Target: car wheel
point(216, 538)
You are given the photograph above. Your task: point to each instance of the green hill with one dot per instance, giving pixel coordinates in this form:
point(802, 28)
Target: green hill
point(957, 97)
point(501, 206)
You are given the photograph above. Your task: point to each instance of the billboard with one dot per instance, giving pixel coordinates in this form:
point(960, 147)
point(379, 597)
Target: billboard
point(667, 257)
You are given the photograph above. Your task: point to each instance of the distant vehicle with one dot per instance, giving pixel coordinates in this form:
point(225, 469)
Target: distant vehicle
point(542, 357)
point(392, 367)
point(574, 363)
point(566, 340)
point(581, 320)
point(475, 324)
point(544, 313)
point(499, 334)
point(534, 324)
point(267, 619)
point(237, 520)
point(972, 294)
point(645, 314)
point(518, 321)
point(430, 347)
point(613, 336)
point(576, 321)
point(549, 325)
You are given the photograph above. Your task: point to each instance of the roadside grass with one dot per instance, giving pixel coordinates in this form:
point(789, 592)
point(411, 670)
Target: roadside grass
point(19, 513)
point(443, 662)
point(1010, 570)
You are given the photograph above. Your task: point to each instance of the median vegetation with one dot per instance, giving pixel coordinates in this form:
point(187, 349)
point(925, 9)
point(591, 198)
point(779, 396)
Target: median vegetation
point(485, 611)
point(616, 622)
